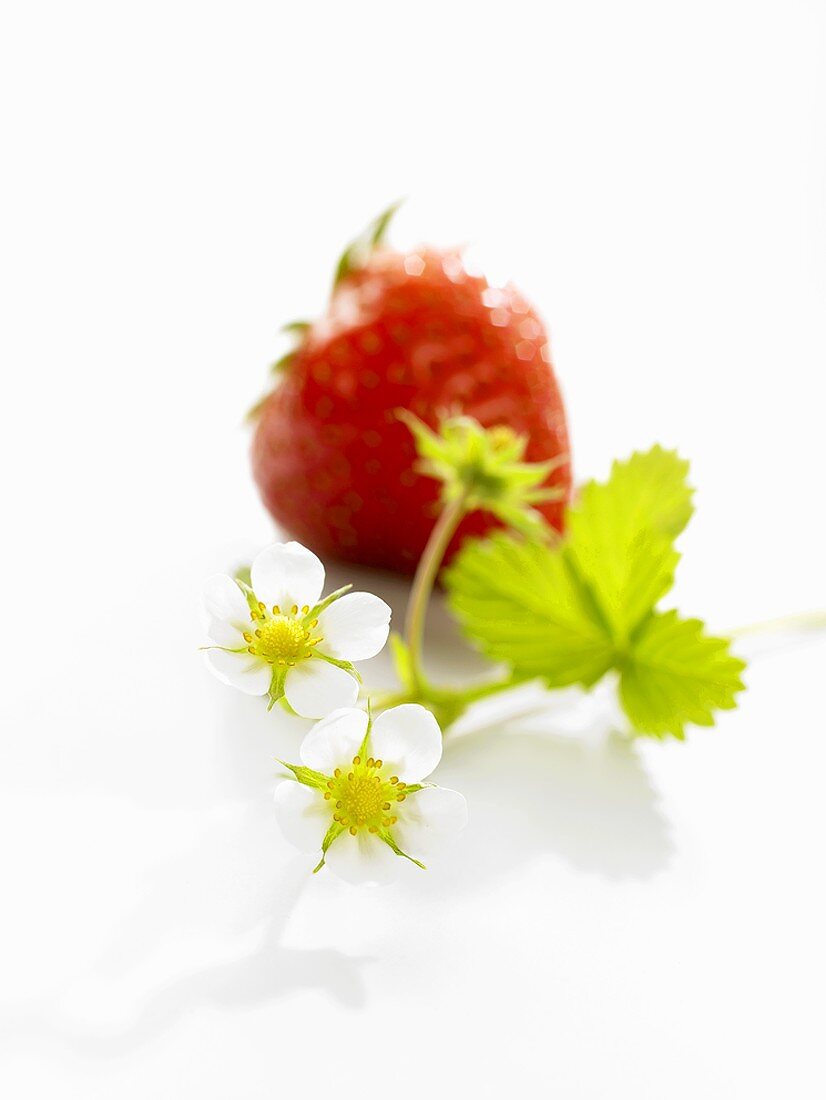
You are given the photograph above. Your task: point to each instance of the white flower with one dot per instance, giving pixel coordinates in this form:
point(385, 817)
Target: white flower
point(359, 798)
point(277, 637)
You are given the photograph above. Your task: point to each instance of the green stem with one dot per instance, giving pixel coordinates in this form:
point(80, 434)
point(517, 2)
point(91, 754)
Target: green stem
point(447, 704)
point(805, 620)
point(426, 573)
point(464, 696)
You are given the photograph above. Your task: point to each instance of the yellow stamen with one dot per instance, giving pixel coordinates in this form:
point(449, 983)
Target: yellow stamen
point(362, 797)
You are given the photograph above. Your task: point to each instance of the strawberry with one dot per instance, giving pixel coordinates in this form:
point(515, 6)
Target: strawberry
point(333, 462)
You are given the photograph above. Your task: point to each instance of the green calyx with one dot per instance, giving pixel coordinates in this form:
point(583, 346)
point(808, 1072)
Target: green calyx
point(358, 252)
point(485, 468)
point(297, 330)
point(354, 257)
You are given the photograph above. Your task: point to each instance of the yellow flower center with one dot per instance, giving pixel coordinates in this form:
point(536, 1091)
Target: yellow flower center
point(281, 638)
point(363, 796)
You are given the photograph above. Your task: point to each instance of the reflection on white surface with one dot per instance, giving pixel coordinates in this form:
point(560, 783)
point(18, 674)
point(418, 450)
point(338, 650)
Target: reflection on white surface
point(533, 793)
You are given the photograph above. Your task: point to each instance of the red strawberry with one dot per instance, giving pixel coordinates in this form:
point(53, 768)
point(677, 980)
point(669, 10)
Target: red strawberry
point(334, 464)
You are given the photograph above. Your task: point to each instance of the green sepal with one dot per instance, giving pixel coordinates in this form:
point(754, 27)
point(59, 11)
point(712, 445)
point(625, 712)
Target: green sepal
point(280, 365)
point(347, 666)
point(306, 776)
point(297, 329)
point(335, 831)
point(254, 411)
point(315, 611)
point(357, 253)
point(485, 468)
point(249, 595)
point(223, 648)
point(276, 689)
point(285, 706)
point(242, 574)
point(243, 580)
point(390, 842)
point(366, 739)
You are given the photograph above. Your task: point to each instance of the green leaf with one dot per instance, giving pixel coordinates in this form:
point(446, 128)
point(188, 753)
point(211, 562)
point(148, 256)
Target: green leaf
point(654, 486)
point(568, 613)
point(522, 603)
point(621, 532)
point(675, 674)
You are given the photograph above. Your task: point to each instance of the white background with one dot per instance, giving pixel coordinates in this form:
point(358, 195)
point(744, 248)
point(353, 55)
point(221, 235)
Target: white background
point(624, 920)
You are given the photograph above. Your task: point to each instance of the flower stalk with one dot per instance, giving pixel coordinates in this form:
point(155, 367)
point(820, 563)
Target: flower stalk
point(479, 469)
point(428, 569)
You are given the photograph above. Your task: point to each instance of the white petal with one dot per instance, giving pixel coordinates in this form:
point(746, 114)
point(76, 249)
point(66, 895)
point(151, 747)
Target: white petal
point(362, 858)
point(333, 742)
point(430, 819)
point(286, 574)
point(302, 815)
point(315, 688)
point(355, 627)
point(408, 740)
point(222, 632)
point(225, 600)
point(240, 670)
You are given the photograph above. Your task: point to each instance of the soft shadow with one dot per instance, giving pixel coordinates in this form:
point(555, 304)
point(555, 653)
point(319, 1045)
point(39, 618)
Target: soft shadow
point(538, 787)
point(262, 975)
point(230, 886)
